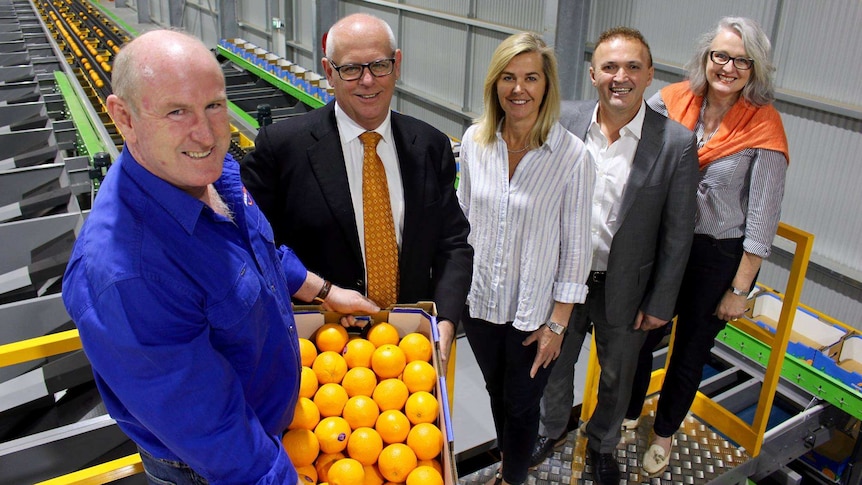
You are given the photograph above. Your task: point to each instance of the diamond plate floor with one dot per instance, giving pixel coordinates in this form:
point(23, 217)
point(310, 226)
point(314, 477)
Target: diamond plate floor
point(699, 456)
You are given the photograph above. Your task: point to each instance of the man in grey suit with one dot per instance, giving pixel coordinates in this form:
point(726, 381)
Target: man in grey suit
point(642, 225)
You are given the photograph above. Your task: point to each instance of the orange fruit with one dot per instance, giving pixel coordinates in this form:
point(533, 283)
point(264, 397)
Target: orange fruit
point(307, 474)
point(358, 352)
point(307, 382)
point(383, 333)
point(307, 351)
point(305, 415)
point(364, 445)
point(332, 434)
point(424, 475)
point(331, 337)
point(432, 463)
point(419, 376)
point(393, 426)
point(324, 462)
point(359, 381)
point(330, 399)
point(396, 461)
point(301, 445)
point(346, 471)
point(373, 476)
point(426, 440)
point(416, 347)
point(421, 407)
point(390, 394)
point(387, 361)
point(329, 367)
point(360, 411)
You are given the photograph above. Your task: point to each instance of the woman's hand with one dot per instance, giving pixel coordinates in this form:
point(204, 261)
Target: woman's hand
point(731, 307)
point(548, 347)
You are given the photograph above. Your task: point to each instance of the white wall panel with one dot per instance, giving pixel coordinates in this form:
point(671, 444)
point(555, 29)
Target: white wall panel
point(253, 12)
point(822, 190)
point(817, 49)
point(484, 44)
point(672, 27)
point(520, 14)
point(435, 71)
point(454, 7)
point(443, 121)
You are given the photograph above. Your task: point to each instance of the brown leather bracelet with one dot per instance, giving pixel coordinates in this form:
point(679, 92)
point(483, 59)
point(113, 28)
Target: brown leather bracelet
point(324, 291)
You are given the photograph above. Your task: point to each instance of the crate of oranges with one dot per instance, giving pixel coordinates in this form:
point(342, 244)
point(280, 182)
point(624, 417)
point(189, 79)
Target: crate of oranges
point(373, 407)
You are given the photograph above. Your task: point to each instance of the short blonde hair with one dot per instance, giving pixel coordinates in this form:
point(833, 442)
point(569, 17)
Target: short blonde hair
point(549, 111)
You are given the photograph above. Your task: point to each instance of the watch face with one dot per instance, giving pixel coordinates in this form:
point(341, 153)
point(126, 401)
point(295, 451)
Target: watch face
point(556, 328)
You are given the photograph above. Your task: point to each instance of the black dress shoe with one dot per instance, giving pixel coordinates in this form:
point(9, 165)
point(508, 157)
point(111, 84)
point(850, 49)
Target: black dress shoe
point(606, 469)
point(544, 447)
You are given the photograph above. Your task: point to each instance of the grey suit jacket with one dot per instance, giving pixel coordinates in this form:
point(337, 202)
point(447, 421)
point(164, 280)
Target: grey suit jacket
point(656, 221)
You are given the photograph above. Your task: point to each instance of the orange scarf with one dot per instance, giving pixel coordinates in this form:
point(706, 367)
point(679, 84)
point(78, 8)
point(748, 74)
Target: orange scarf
point(744, 126)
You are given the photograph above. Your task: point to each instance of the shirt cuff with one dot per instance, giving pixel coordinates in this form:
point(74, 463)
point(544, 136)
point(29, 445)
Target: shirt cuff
point(294, 271)
point(570, 292)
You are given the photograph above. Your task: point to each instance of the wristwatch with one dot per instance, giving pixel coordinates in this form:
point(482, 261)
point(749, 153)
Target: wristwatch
point(555, 327)
point(737, 291)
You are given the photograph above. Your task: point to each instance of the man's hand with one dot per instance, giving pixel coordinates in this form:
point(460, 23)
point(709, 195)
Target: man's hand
point(548, 347)
point(446, 329)
point(348, 301)
point(648, 322)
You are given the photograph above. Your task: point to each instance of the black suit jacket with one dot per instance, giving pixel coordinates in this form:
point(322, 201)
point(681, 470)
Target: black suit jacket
point(650, 249)
point(298, 177)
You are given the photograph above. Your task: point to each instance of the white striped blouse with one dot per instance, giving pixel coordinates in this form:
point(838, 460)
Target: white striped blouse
point(530, 234)
point(739, 195)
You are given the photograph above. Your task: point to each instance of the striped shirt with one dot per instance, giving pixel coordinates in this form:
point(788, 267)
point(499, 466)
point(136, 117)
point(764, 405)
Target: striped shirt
point(738, 195)
point(530, 234)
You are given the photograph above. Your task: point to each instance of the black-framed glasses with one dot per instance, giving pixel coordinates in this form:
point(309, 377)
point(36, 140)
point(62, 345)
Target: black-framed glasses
point(741, 63)
point(352, 72)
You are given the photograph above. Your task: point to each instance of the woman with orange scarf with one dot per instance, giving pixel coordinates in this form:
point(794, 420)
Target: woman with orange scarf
point(727, 102)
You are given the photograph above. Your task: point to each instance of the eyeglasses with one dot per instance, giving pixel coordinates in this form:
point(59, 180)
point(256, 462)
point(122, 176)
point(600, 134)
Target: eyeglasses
point(352, 72)
point(741, 63)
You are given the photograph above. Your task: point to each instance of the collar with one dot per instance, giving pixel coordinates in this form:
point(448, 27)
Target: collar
point(635, 126)
point(350, 130)
point(184, 208)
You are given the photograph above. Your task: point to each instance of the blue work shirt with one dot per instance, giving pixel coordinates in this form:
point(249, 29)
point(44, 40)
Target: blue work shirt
point(186, 318)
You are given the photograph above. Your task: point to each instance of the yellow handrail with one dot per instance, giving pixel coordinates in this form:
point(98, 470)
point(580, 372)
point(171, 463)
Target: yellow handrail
point(104, 473)
point(717, 416)
point(55, 344)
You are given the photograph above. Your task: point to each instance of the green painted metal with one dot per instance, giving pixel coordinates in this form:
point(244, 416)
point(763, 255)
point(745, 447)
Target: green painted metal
point(89, 139)
point(114, 17)
point(242, 114)
point(268, 77)
point(798, 372)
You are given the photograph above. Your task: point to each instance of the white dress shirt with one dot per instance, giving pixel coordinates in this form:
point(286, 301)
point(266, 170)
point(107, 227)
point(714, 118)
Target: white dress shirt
point(530, 234)
point(351, 145)
point(613, 165)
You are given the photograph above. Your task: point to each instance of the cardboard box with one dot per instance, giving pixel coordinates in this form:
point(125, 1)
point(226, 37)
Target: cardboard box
point(421, 318)
point(808, 332)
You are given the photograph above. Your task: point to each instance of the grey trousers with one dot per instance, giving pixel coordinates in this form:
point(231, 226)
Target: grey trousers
point(617, 344)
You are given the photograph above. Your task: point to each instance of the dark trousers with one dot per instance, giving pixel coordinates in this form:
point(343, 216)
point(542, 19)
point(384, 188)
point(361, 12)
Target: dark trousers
point(505, 363)
point(709, 273)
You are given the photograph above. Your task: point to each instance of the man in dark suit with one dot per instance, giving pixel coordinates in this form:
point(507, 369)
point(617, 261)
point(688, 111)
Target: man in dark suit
point(642, 225)
point(306, 173)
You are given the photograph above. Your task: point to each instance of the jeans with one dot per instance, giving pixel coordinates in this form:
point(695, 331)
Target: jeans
point(505, 365)
point(168, 472)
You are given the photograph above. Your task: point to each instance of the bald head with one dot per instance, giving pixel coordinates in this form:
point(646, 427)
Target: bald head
point(158, 55)
point(358, 25)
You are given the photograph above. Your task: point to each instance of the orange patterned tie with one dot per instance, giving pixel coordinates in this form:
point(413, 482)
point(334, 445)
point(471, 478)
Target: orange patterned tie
point(381, 248)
